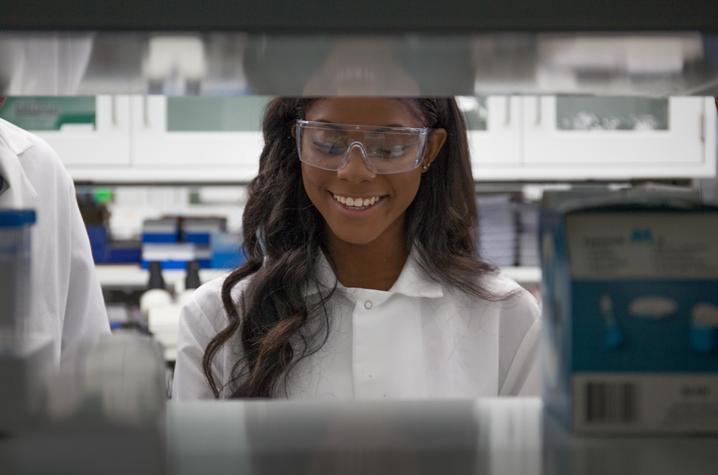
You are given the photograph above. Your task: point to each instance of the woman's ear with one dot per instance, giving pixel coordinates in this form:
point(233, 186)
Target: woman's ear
point(436, 140)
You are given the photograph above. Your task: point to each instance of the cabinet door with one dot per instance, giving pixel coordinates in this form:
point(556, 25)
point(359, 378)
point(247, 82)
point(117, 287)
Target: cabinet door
point(579, 137)
point(494, 133)
point(83, 130)
point(190, 133)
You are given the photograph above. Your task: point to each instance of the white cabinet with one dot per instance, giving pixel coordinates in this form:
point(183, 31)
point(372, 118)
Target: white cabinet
point(197, 138)
point(591, 138)
point(494, 129)
point(570, 137)
point(155, 139)
point(83, 130)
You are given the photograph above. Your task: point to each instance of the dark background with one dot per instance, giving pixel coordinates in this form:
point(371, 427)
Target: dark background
point(366, 16)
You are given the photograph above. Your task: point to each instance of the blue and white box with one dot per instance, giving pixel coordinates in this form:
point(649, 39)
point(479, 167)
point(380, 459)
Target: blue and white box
point(175, 240)
point(630, 304)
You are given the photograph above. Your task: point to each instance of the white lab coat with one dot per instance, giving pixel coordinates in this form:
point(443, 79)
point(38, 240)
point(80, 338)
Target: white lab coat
point(47, 64)
point(420, 339)
point(66, 298)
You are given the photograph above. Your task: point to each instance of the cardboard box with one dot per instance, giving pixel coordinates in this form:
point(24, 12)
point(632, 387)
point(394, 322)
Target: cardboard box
point(630, 304)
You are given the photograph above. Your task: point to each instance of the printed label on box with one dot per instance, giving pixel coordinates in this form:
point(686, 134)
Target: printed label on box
point(635, 402)
point(643, 245)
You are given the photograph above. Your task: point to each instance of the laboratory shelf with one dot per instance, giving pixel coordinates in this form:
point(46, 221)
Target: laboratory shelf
point(162, 174)
point(523, 275)
point(134, 276)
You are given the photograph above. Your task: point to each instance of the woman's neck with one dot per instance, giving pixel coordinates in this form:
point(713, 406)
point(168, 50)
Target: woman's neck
point(375, 265)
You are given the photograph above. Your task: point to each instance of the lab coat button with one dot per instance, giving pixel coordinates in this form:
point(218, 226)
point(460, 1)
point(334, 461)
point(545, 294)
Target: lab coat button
point(368, 305)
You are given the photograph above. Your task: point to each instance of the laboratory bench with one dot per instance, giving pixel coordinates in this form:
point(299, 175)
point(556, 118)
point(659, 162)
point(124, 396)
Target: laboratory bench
point(486, 436)
point(129, 275)
point(135, 276)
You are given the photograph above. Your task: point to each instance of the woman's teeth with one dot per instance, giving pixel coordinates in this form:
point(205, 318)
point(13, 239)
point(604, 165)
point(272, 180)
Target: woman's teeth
point(358, 203)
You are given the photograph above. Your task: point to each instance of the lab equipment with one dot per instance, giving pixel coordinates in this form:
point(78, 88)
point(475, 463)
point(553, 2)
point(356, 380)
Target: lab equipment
point(156, 294)
point(191, 282)
point(163, 316)
point(25, 355)
point(15, 279)
point(227, 252)
point(25, 368)
point(176, 240)
point(105, 413)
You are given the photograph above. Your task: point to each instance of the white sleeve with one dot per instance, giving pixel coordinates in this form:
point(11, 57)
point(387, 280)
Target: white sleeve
point(85, 312)
point(519, 340)
point(195, 333)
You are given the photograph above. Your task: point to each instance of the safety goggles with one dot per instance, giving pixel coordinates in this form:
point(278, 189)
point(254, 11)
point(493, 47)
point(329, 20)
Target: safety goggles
point(384, 150)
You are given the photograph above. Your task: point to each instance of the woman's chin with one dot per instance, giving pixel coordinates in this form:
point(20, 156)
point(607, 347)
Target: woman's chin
point(354, 241)
point(354, 238)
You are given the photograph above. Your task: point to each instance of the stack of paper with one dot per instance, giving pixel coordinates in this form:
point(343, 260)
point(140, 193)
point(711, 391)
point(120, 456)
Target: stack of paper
point(528, 234)
point(496, 235)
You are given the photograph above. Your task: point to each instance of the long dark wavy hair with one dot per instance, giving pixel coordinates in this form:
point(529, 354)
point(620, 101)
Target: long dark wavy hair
point(284, 235)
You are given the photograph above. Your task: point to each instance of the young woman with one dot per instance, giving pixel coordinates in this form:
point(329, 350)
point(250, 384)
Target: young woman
point(363, 279)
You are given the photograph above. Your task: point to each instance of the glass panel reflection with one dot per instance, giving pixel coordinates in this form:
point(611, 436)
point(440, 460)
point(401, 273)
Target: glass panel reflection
point(476, 111)
point(612, 113)
point(215, 114)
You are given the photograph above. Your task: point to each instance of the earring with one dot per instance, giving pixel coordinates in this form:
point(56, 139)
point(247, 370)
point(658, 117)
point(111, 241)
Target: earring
point(425, 167)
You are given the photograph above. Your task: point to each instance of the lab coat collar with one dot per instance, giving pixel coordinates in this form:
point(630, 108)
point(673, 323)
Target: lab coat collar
point(412, 281)
point(14, 142)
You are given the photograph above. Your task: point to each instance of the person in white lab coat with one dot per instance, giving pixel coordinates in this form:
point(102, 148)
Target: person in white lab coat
point(362, 278)
point(66, 298)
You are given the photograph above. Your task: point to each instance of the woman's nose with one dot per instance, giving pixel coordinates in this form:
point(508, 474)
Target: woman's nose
point(355, 168)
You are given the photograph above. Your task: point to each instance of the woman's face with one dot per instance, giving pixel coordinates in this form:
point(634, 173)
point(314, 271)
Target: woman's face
point(389, 195)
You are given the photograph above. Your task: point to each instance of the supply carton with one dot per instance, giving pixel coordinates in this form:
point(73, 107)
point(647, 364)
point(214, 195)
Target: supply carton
point(630, 304)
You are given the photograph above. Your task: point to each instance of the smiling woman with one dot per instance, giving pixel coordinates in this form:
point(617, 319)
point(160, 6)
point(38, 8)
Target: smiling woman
point(363, 279)
point(367, 243)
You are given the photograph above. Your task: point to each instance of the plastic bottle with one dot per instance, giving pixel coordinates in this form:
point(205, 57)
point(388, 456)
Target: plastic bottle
point(191, 282)
point(15, 278)
point(156, 294)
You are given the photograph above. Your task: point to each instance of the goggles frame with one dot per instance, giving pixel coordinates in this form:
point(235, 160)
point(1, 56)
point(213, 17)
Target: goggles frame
point(370, 160)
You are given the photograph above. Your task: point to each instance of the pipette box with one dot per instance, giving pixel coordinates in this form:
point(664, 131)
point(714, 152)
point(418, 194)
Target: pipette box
point(630, 305)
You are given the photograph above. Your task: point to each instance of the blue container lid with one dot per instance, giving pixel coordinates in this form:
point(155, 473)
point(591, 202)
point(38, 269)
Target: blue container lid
point(11, 218)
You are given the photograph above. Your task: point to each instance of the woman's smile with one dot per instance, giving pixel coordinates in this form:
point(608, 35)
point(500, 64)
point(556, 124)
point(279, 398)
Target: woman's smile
point(355, 205)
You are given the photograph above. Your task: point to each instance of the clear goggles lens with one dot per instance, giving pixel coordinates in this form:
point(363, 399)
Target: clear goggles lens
point(384, 149)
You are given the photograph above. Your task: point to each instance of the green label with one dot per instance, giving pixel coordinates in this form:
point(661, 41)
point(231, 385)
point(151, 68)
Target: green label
point(49, 113)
